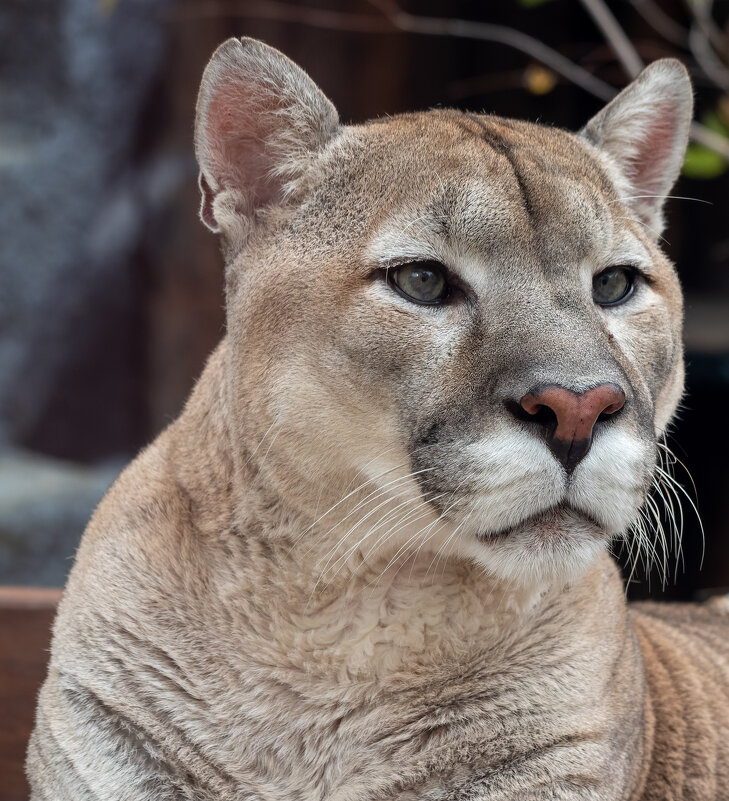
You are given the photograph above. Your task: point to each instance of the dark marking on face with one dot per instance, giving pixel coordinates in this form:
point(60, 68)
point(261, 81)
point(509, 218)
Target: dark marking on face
point(506, 150)
point(492, 139)
point(431, 436)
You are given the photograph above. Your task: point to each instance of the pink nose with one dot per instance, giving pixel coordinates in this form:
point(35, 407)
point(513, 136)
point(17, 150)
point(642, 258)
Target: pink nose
point(576, 414)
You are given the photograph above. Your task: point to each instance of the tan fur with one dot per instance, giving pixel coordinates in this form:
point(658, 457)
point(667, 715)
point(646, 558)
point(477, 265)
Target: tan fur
point(298, 590)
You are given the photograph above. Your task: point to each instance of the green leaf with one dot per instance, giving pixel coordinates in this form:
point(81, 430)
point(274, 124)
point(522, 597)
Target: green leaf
point(701, 162)
point(714, 122)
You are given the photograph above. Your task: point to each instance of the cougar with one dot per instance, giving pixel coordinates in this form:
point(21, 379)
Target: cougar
point(370, 560)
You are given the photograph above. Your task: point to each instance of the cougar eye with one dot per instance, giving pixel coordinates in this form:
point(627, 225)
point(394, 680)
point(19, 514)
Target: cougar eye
point(422, 282)
point(612, 286)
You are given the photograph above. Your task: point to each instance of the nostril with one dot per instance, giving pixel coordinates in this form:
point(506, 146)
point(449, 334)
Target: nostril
point(544, 416)
point(539, 413)
point(608, 415)
point(609, 399)
point(616, 402)
point(515, 410)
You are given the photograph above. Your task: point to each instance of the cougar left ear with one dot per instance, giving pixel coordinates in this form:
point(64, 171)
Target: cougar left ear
point(259, 122)
point(644, 131)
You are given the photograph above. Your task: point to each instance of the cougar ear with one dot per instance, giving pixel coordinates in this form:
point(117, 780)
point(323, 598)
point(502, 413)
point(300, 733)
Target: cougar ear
point(644, 131)
point(259, 121)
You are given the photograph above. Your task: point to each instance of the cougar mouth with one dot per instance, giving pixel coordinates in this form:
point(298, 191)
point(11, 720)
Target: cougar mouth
point(549, 523)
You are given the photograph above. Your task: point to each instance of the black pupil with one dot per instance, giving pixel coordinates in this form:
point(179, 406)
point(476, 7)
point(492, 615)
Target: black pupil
point(611, 286)
point(421, 283)
point(607, 279)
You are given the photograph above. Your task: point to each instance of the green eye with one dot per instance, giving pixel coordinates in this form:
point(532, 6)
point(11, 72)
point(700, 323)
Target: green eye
point(612, 286)
point(422, 282)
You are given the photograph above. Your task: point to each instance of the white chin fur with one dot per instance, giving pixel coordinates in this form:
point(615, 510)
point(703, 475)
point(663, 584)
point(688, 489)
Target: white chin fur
point(607, 487)
point(610, 483)
point(518, 478)
point(541, 553)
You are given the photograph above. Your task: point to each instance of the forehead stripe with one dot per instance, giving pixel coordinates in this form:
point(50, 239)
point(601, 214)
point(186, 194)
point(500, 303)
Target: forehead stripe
point(502, 148)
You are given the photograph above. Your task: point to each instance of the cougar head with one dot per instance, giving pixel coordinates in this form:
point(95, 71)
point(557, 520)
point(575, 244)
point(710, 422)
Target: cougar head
point(446, 331)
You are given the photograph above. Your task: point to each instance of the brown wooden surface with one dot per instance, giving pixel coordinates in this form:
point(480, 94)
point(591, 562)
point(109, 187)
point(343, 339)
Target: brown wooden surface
point(26, 615)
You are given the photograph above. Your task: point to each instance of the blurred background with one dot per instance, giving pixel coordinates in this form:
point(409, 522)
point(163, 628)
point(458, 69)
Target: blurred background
point(110, 288)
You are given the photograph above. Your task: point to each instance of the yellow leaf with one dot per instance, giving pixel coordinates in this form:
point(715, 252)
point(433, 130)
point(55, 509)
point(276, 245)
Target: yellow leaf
point(539, 80)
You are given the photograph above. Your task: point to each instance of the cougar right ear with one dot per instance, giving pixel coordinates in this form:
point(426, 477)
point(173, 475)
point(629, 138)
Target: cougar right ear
point(644, 132)
point(260, 120)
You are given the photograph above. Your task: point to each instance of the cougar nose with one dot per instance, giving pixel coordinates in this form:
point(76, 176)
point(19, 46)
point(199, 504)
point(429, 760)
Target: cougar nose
point(569, 417)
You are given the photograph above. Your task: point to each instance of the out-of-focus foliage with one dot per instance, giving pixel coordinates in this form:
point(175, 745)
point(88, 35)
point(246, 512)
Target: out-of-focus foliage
point(533, 3)
point(701, 161)
point(539, 80)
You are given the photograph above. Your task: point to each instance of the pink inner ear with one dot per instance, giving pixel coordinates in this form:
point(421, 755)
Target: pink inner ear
point(653, 151)
point(206, 208)
point(239, 126)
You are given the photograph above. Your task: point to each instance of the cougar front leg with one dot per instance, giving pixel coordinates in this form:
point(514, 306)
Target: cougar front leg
point(83, 749)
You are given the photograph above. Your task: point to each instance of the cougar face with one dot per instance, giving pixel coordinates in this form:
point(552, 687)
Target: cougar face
point(458, 334)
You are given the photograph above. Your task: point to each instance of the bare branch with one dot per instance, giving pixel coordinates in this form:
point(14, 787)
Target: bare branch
point(285, 12)
point(632, 63)
point(702, 14)
point(615, 36)
point(468, 29)
point(397, 20)
point(661, 23)
point(708, 138)
point(707, 59)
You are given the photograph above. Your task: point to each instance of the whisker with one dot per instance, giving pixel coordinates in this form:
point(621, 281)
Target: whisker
point(270, 445)
point(362, 501)
point(364, 467)
point(388, 499)
point(442, 550)
point(652, 231)
point(387, 534)
point(447, 509)
point(430, 529)
point(662, 507)
point(404, 520)
point(671, 460)
point(349, 495)
point(410, 539)
point(373, 495)
point(255, 450)
point(661, 534)
point(668, 197)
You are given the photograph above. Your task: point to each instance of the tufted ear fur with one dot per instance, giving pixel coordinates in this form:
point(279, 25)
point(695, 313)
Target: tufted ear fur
point(260, 120)
point(644, 131)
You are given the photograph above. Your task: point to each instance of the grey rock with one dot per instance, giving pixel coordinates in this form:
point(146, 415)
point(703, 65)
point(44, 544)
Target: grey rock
point(44, 507)
point(74, 75)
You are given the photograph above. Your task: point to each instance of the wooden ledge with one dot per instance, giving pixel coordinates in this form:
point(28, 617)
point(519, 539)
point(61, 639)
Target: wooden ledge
point(29, 597)
point(26, 617)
